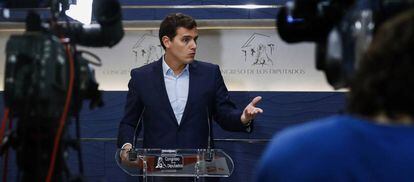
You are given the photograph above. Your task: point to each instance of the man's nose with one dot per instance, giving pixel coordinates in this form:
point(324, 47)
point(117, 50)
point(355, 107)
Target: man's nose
point(193, 45)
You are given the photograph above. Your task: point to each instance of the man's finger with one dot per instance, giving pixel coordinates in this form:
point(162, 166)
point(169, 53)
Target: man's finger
point(258, 110)
point(256, 100)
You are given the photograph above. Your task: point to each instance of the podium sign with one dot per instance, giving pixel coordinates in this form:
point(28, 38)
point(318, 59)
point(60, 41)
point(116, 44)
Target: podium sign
point(178, 163)
point(169, 159)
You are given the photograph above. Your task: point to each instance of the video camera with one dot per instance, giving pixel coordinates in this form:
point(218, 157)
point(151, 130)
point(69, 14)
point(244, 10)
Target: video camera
point(45, 73)
point(341, 29)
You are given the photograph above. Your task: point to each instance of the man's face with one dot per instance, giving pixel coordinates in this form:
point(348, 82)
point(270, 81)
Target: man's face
point(183, 46)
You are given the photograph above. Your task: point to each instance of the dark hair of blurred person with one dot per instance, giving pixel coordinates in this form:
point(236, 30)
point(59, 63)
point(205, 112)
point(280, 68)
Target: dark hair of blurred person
point(383, 86)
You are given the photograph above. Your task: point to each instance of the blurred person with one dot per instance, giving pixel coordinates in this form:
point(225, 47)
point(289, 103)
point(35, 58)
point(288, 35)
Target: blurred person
point(374, 141)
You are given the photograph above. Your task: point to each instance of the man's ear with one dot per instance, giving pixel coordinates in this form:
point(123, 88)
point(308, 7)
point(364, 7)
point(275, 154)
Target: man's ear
point(166, 41)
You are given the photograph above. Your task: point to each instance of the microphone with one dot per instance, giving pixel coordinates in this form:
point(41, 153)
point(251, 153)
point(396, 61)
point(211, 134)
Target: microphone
point(132, 154)
point(209, 156)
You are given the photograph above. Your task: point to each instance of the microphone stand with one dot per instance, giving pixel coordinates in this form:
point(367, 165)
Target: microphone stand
point(209, 152)
point(132, 154)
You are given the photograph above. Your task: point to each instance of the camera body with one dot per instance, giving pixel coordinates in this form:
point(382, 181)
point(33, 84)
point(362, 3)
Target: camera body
point(341, 29)
point(37, 76)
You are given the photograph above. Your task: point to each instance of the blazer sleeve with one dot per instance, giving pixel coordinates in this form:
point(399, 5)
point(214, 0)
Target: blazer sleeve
point(226, 114)
point(133, 109)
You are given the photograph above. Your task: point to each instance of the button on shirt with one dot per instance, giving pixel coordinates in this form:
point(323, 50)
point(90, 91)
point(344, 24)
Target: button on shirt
point(177, 89)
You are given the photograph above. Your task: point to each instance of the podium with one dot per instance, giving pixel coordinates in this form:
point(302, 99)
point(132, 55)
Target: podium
point(177, 163)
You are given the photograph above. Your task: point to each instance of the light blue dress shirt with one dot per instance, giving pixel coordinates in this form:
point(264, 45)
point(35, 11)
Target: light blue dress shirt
point(177, 89)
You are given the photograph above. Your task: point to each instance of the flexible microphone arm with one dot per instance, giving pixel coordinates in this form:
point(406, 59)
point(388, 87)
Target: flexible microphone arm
point(209, 156)
point(132, 154)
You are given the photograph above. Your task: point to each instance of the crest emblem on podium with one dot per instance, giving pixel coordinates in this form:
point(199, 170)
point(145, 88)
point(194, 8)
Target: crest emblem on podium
point(169, 160)
point(160, 163)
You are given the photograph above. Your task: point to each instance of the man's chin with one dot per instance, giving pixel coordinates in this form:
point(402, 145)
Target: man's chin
point(188, 61)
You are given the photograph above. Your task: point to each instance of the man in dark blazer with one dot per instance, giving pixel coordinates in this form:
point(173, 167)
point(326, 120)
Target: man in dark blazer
point(176, 95)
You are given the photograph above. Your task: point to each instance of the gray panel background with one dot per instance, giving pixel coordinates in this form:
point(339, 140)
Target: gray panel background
point(250, 60)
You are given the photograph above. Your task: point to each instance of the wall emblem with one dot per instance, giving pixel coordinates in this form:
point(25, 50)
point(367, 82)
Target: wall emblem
point(258, 50)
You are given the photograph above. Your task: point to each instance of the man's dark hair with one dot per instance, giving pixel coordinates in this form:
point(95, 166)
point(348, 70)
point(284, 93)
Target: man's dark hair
point(384, 82)
point(172, 22)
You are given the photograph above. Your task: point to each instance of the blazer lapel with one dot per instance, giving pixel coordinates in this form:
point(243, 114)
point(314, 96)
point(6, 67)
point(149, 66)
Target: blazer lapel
point(194, 77)
point(159, 85)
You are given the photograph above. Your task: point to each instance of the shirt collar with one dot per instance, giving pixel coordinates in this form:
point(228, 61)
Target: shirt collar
point(168, 71)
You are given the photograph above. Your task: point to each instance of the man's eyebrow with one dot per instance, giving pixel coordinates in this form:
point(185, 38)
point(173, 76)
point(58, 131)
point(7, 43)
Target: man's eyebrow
point(189, 36)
